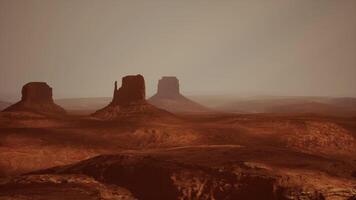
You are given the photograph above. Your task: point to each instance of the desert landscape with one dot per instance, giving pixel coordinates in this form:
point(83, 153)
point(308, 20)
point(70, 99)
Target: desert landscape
point(177, 100)
point(131, 149)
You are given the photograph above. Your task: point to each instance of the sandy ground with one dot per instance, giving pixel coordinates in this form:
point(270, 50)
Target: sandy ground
point(307, 152)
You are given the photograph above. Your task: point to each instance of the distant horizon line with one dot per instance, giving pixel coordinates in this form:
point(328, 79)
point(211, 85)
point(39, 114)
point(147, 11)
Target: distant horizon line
point(235, 96)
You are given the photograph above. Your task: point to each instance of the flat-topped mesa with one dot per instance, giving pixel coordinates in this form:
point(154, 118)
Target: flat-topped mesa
point(37, 92)
point(37, 97)
point(131, 91)
point(168, 87)
point(129, 101)
point(168, 97)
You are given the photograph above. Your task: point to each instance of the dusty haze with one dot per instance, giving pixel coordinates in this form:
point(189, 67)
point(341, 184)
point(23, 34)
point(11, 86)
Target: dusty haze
point(277, 47)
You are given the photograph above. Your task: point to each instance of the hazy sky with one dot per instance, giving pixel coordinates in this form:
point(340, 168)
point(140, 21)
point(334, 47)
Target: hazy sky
point(247, 47)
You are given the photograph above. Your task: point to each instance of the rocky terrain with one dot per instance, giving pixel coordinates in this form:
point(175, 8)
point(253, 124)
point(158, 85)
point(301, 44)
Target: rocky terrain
point(56, 187)
point(174, 180)
point(195, 172)
point(133, 150)
point(36, 98)
point(168, 97)
point(194, 156)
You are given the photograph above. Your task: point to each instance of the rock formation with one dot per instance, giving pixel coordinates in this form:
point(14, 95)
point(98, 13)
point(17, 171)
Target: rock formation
point(168, 87)
point(132, 91)
point(129, 100)
point(168, 97)
point(36, 97)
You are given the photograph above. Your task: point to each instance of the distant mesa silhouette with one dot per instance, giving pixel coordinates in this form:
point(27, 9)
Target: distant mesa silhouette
point(129, 100)
point(168, 87)
point(168, 97)
point(36, 97)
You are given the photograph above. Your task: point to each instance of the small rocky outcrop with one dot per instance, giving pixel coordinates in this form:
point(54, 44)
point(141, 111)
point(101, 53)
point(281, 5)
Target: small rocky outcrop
point(36, 97)
point(129, 100)
point(168, 97)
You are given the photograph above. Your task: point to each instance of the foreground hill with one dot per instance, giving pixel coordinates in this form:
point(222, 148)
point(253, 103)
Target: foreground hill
point(196, 172)
point(175, 180)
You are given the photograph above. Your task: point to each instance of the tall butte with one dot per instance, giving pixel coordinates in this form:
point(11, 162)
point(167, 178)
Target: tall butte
point(129, 100)
point(168, 97)
point(36, 97)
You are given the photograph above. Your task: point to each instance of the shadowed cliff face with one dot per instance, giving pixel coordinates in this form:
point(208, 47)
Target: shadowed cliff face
point(131, 91)
point(37, 92)
point(36, 97)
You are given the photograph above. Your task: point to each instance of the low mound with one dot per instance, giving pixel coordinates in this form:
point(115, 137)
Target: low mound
point(37, 98)
point(169, 98)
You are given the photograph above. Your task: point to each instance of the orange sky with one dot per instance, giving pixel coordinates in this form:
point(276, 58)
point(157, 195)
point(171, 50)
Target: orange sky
point(277, 47)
